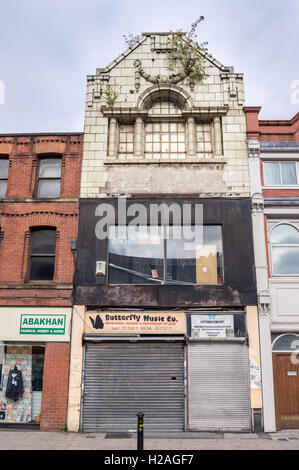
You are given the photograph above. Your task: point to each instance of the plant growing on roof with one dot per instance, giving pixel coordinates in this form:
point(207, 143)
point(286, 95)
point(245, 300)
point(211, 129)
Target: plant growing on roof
point(132, 39)
point(187, 54)
point(110, 96)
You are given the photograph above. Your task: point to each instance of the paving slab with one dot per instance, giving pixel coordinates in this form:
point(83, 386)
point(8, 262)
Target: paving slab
point(19, 440)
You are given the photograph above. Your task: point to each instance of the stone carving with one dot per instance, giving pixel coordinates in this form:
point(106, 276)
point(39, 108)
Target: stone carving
point(257, 203)
point(253, 152)
point(264, 303)
point(156, 79)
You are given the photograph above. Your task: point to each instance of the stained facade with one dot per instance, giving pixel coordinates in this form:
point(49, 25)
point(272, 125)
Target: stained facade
point(179, 307)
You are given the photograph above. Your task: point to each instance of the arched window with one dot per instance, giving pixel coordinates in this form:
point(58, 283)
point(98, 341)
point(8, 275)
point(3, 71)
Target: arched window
point(286, 342)
point(284, 241)
point(165, 131)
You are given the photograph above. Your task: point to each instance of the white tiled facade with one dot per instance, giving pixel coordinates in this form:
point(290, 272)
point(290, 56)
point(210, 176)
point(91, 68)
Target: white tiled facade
point(202, 152)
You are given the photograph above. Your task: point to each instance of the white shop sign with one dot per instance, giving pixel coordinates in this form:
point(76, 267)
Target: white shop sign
point(35, 324)
point(212, 326)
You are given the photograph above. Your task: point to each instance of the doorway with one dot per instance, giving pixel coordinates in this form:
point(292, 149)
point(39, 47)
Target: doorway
point(286, 381)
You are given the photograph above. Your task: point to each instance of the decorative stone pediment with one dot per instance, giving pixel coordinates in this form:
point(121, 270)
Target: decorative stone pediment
point(264, 302)
point(254, 150)
point(257, 203)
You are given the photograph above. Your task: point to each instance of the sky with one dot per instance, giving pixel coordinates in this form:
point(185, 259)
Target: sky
point(47, 47)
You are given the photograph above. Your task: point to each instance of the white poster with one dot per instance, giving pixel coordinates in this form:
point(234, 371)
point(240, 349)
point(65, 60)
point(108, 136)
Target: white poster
point(212, 326)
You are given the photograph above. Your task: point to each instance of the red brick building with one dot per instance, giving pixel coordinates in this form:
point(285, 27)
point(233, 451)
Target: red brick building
point(274, 176)
point(39, 194)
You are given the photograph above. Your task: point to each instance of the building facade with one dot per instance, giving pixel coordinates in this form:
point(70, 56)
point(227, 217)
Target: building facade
point(273, 160)
point(39, 189)
point(165, 307)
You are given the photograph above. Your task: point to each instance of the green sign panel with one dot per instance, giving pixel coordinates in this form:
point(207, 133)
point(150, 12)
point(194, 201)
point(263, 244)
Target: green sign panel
point(42, 324)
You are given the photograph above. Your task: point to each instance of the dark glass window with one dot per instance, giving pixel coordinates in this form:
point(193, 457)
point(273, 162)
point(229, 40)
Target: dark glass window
point(49, 177)
point(42, 255)
point(197, 261)
point(37, 368)
point(4, 164)
point(136, 258)
point(166, 255)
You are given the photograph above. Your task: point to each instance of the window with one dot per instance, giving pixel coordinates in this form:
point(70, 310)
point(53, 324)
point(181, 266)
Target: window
point(126, 138)
point(38, 353)
point(42, 255)
point(165, 255)
point(161, 106)
point(280, 173)
point(165, 137)
point(284, 240)
point(49, 177)
point(204, 139)
point(4, 165)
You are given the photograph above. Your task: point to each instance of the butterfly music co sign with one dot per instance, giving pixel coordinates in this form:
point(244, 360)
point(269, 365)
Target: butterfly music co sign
point(128, 323)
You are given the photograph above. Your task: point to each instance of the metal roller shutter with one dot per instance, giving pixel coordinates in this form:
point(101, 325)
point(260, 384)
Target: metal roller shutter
point(218, 387)
point(122, 379)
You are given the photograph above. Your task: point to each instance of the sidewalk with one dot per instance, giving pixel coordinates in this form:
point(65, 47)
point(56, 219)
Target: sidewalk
point(36, 440)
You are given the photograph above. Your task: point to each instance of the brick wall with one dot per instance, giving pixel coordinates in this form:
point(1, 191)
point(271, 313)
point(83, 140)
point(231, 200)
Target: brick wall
point(21, 211)
point(16, 221)
point(55, 386)
point(24, 151)
point(272, 130)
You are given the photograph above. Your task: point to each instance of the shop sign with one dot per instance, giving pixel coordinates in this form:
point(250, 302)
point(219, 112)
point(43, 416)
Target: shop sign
point(42, 324)
point(212, 326)
point(128, 323)
point(35, 324)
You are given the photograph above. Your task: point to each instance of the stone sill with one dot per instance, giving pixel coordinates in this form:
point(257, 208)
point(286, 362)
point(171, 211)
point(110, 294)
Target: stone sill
point(40, 199)
point(146, 161)
point(50, 286)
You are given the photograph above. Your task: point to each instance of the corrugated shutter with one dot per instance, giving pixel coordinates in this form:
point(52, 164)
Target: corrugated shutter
point(122, 379)
point(218, 387)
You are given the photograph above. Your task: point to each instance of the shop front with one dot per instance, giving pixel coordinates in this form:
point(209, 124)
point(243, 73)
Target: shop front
point(186, 371)
point(133, 362)
point(218, 372)
point(25, 333)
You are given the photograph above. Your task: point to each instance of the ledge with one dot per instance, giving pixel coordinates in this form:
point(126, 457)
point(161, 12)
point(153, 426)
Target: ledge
point(40, 199)
point(204, 113)
point(165, 161)
point(42, 286)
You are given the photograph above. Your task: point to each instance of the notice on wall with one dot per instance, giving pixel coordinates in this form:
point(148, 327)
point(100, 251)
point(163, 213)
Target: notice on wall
point(138, 323)
point(212, 326)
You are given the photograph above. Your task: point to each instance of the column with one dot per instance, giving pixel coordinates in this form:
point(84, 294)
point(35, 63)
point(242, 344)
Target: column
point(191, 137)
point(264, 311)
point(217, 137)
point(112, 136)
point(138, 137)
point(76, 365)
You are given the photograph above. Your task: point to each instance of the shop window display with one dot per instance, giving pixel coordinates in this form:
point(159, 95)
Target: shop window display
point(22, 370)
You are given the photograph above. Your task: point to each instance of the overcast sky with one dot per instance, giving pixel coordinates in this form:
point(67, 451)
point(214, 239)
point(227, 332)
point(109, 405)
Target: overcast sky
point(47, 47)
